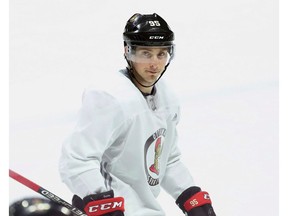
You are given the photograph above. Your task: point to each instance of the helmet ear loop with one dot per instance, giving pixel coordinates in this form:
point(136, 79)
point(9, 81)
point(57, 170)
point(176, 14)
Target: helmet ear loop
point(130, 66)
point(126, 51)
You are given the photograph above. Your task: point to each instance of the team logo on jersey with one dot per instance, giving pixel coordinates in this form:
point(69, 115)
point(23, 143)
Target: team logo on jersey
point(152, 151)
point(158, 149)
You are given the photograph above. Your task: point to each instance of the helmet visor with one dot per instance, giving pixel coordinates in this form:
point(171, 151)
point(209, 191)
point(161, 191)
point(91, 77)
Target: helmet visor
point(150, 54)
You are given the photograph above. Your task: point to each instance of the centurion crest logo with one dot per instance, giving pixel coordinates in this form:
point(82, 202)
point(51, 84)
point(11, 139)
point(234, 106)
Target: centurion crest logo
point(152, 151)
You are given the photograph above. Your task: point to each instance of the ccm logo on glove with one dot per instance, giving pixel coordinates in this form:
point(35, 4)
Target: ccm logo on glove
point(199, 199)
point(104, 206)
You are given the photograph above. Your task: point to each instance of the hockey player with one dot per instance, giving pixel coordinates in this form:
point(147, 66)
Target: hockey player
point(124, 146)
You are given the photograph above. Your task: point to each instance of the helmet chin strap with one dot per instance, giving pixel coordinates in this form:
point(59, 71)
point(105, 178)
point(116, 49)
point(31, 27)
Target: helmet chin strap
point(130, 70)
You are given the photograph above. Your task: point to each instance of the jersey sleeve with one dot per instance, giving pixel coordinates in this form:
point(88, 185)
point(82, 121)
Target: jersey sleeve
point(177, 176)
point(80, 162)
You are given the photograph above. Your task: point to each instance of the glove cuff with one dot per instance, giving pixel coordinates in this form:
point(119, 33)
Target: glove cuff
point(104, 206)
point(185, 195)
point(199, 199)
point(192, 198)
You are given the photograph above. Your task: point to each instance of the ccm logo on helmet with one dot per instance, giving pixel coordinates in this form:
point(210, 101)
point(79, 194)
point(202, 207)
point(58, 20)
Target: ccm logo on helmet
point(105, 206)
point(156, 37)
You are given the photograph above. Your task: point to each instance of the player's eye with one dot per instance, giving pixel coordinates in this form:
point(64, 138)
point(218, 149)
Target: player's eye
point(145, 54)
point(162, 55)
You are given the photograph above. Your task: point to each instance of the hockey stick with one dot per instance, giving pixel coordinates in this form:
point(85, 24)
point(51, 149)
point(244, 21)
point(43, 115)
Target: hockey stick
point(45, 193)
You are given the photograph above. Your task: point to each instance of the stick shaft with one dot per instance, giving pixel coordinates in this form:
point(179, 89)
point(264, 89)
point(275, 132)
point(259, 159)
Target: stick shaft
point(28, 183)
point(23, 180)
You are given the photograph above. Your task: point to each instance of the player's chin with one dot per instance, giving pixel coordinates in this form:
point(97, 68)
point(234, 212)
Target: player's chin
point(151, 79)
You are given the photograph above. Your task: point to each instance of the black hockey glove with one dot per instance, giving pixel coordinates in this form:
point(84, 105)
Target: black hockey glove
point(195, 202)
point(104, 204)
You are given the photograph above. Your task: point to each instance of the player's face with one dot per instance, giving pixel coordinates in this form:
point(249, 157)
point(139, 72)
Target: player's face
point(149, 63)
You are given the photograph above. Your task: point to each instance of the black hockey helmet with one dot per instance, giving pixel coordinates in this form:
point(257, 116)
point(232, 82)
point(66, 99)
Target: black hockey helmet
point(147, 30)
point(34, 206)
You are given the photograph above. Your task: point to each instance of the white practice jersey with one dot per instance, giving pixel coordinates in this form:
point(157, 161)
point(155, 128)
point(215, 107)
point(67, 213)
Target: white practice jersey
point(126, 142)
